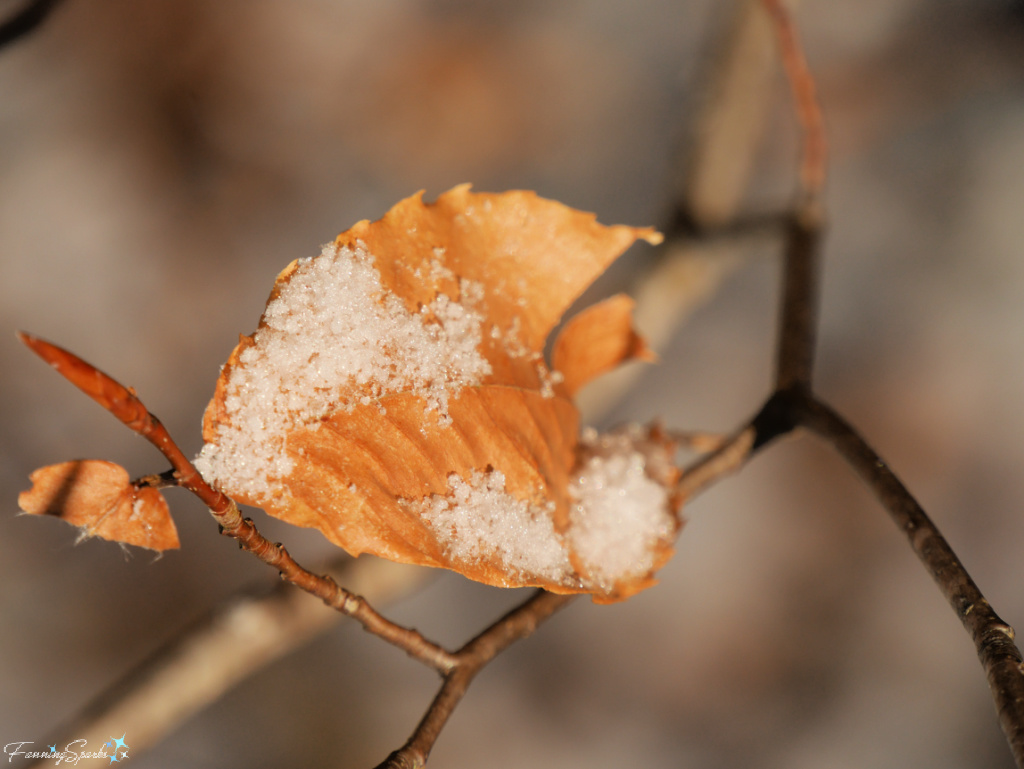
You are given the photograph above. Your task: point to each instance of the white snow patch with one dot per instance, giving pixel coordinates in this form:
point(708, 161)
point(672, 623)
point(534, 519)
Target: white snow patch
point(618, 519)
point(620, 514)
point(478, 520)
point(332, 327)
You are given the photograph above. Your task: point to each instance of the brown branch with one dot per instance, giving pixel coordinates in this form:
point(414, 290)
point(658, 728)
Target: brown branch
point(793, 405)
point(122, 402)
point(798, 327)
point(728, 126)
point(724, 460)
point(470, 660)
point(794, 366)
point(992, 637)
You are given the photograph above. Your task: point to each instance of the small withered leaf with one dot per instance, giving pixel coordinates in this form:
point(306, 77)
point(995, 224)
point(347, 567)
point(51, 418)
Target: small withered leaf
point(597, 340)
point(395, 396)
point(99, 498)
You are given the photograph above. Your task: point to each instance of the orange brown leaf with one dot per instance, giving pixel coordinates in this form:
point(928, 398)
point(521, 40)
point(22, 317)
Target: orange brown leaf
point(99, 498)
point(597, 340)
point(395, 396)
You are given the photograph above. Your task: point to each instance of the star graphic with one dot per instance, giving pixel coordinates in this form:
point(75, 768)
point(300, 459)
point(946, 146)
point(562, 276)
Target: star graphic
point(114, 758)
point(119, 742)
point(53, 748)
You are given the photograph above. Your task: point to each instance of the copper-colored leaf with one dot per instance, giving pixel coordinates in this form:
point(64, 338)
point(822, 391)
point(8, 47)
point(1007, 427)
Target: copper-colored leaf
point(597, 340)
point(395, 396)
point(99, 498)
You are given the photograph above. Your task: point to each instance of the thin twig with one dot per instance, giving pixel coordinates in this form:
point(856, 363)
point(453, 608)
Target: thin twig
point(793, 404)
point(518, 624)
point(814, 156)
point(992, 637)
point(798, 327)
point(723, 461)
point(794, 367)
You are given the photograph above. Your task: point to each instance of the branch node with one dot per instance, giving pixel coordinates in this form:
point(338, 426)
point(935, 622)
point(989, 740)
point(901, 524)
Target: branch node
point(780, 415)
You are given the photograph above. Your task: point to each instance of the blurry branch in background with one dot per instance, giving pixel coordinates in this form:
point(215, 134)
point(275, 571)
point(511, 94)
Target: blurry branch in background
point(22, 23)
point(727, 132)
point(705, 237)
point(243, 635)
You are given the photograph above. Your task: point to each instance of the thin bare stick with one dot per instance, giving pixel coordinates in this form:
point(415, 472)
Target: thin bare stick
point(705, 238)
point(723, 461)
point(123, 403)
point(241, 636)
point(518, 624)
point(992, 637)
point(814, 161)
point(793, 404)
point(799, 323)
point(729, 124)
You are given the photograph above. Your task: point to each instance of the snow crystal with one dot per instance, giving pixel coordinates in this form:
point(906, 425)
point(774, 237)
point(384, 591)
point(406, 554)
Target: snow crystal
point(479, 520)
point(618, 519)
point(619, 514)
point(514, 348)
point(333, 326)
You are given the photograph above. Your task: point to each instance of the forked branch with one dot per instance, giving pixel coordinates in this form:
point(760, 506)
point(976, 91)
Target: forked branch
point(793, 404)
point(470, 660)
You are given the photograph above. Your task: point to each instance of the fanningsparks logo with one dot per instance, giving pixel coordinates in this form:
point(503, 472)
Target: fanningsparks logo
point(114, 749)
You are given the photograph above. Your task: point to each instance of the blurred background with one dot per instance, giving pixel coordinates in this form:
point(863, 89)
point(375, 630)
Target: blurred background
point(160, 162)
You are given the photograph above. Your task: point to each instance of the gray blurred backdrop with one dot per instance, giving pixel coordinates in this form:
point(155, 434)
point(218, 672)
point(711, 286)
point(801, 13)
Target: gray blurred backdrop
point(161, 161)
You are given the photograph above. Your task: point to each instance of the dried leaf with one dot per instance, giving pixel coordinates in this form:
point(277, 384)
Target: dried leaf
point(596, 341)
point(99, 498)
point(395, 397)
